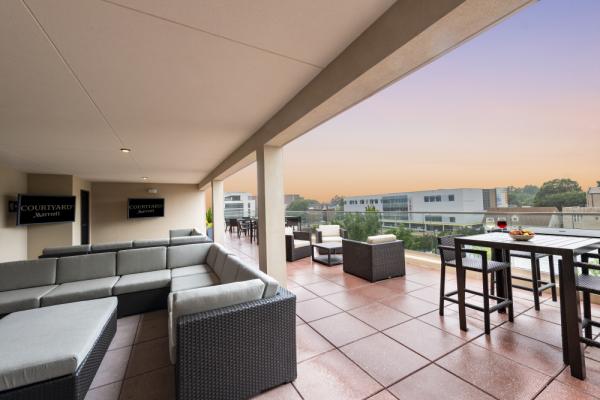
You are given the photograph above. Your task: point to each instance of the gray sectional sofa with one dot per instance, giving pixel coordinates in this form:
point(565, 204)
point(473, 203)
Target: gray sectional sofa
point(239, 312)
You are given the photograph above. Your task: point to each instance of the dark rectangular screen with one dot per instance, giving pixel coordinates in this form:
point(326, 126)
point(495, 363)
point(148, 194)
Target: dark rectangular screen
point(145, 208)
point(45, 209)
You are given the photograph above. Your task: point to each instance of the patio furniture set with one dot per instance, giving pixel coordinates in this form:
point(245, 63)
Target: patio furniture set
point(574, 253)
point(231, 328)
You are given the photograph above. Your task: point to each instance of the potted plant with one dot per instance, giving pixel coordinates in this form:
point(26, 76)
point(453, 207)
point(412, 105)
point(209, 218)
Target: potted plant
point(209, 223)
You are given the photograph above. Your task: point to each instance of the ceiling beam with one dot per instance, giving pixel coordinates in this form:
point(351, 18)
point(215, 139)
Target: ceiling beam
point(409, 35)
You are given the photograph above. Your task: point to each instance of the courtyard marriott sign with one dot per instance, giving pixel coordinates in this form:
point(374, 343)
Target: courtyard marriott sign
point(144, 208)
point(45, 209)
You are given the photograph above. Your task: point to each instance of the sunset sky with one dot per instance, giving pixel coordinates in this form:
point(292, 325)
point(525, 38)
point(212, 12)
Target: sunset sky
point(519, 104)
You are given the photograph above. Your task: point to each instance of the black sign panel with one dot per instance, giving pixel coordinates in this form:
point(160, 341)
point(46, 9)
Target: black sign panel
point(45, 209)
point(144, 208)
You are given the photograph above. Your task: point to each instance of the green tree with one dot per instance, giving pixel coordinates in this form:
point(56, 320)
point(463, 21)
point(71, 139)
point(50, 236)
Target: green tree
point(524, 196)
point(560, 193)
point(302, 204)
point(337, 202)
point(360, 225)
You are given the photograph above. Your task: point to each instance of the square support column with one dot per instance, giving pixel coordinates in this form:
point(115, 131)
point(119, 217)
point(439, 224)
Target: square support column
point(271, 212)
point(218, 207)
point(202, 225)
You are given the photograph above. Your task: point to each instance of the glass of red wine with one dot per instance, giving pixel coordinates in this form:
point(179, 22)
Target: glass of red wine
point(501, 223)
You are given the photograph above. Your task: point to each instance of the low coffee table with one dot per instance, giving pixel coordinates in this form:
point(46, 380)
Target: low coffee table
point(330, 257)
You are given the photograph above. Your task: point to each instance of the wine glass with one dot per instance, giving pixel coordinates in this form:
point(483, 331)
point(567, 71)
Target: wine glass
point(489, 224)
point(501, 223)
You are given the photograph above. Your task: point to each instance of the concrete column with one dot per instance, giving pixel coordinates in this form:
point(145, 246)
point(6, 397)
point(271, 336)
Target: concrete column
point(218, 207)
point(271, 212)
point(202, 225)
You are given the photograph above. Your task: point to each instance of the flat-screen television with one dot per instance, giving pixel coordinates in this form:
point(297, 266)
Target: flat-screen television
point(45, 209)
point(145, 208)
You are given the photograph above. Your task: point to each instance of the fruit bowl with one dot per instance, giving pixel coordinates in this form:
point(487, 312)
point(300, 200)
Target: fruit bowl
point(521, 235)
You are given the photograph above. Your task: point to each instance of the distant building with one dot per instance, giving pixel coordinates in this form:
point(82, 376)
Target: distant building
point(584, 217)
point(495, 198)
point(525, 216)
point(593, 197)
point(239, 204)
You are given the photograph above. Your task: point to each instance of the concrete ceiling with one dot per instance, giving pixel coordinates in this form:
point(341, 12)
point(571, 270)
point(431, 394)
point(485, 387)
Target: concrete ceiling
point(183, 83)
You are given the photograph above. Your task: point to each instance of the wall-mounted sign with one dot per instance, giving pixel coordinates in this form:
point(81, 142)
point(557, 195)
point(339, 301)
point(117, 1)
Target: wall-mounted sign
point(45, 209)
point(145, 208)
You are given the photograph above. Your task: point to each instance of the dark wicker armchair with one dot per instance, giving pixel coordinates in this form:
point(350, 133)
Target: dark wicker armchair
point(293, 253)
point(374, 262)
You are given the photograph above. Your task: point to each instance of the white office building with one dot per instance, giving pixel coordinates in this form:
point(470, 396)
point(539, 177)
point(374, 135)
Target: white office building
point(239, 204)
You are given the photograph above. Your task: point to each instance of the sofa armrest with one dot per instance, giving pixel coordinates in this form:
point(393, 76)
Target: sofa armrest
point(301, 235)
point(319, 236)
point(344, 233)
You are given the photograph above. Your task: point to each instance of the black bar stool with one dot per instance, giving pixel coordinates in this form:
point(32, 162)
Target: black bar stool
point(478, 264)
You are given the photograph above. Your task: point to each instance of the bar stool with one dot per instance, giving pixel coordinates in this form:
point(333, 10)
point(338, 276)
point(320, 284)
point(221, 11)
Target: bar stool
point(588, 284)
point(537, 284)
point(478, 264)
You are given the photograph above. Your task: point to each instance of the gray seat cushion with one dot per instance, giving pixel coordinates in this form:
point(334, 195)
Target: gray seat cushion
point(183, 240)
point(191, 270)
point(142, 281)
point(26, 274)
point(186, 255)
point(79, 291)
point(134, 261)
point(22, 299)
point(245, 272)
point(208, 298)
point(89, 266)
point(150, 243)
point(63, 251)
point(194, 281)
point(116, 246)
point(42, 344)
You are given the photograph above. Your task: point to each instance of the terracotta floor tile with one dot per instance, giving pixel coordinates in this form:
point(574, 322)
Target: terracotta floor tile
point(434, 383)
point(538, 329)
point(428, 277)
point(383, 395)
point(148, 356)
point(349, 281)
point(424, 339)
point(126, 331)
point(590, 385)
point(283, 392)
point(113, 367)
point(332, 376)
point(384, 359)
point(409, 305)
point(429, 294)
point(302, 294)
point(379, 316)
point(494, 374)
point(449, 323)
point(311, 310)
point(324, 288)
point(106, 392)
point(547, 313)
point(559, 391)
point(152, 325)
point(400, 285)
point(309, 343)
point(299, 321)
point(530, 352)
point(155, 385)
point(376, 292)
point(306, 278)
point(349, 299)
point(342, 329)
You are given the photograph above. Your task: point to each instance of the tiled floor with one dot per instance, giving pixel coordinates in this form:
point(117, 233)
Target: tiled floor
point(383, 341)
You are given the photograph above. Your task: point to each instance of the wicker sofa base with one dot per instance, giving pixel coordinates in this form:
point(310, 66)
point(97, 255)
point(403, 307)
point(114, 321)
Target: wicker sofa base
point(237, 352)
point(70, 387)
point(141, 302)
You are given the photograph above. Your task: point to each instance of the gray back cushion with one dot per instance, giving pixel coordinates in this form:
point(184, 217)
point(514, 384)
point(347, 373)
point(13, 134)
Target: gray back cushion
point(219, 264)
point(230, 269)
point(180, 232)
point(188, 254)
point(116, 246)
point(66, 250)
point(89, 266)
point(141, 260)
point(150, 243)
point(245, 272)
point(26, 274)
point(212, 254)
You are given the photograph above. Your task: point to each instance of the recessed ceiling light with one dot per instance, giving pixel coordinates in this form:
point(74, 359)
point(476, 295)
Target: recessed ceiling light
point(144, 178)
point(125, 150)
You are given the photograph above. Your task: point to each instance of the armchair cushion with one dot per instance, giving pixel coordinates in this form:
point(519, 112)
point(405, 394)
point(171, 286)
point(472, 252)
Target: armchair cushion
point(301, 243)
point(381, 239)
point(332, 239)
point(329, 230)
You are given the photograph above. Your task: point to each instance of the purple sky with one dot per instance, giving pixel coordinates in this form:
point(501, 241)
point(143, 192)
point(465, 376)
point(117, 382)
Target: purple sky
point(518, 104)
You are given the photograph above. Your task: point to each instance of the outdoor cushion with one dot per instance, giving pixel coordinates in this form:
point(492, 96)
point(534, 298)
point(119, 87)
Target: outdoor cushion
point(134, 261)
point(301, 243)
point(209, 298)
point(22, 299)
point(45, 343)
point(245, 273)
point(180, 232)
point(150, 243)
point(230, 269)
point(176, 241)
point(26, 274)
point(381, 239)
point(186, 255)
point(289, 230)
point(332, 239)
point(142, 281)
point(116, 246)
point(66, 250)
point(193, 281)
point(81, 290)
point(88, 266)
point(329, 230)
point(211, 257)
point(219, 264)
point(191, 270)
